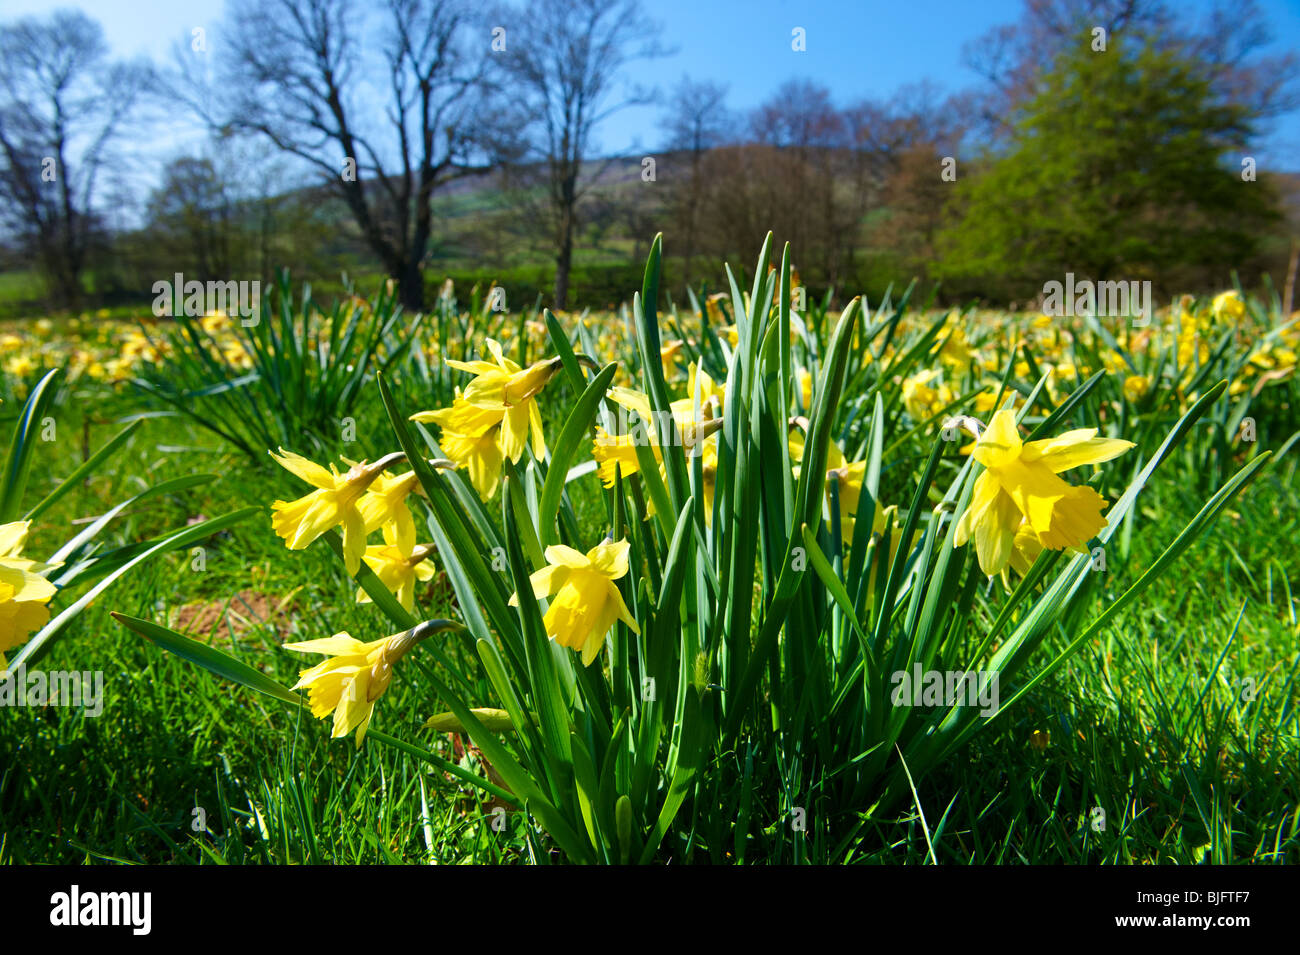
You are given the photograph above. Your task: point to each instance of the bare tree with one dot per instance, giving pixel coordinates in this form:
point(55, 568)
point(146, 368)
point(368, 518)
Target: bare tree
point(565, 56)
point(61, 105)
point(697, 120)
point(898, 147)
point(297, 75)
point(192, 209)
point(802, 125)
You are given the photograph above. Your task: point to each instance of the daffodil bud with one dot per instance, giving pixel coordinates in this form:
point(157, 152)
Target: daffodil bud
point(498, 721)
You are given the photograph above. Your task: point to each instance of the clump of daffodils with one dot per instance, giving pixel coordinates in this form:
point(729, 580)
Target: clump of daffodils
point(24, 592)
point(1020, 503)
point(494, 418)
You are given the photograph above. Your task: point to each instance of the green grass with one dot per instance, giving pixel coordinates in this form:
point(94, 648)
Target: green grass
point(1148, 723)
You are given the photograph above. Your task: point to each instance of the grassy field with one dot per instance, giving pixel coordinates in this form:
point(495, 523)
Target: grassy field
point(1169, 736)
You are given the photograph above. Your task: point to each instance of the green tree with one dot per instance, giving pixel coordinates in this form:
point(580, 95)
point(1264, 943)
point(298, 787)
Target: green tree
point(1123, 164)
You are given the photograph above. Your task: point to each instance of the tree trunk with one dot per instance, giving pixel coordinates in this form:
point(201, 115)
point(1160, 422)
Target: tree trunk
point(563, 261)
point(410, 286)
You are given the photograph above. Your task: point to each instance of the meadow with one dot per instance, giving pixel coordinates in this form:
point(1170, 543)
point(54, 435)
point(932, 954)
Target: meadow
point(706, 672)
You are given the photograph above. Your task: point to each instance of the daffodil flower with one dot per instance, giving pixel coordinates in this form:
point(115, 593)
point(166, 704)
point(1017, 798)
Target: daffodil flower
point(586, 603)
point(668, 356)
point(398, 568)
point(469, 438)
point(384, 506)
point(356, 674)
point(494, 418)
point(846, 477)
point(1228, 305)
point(24, 593)
point(616, 454)
point(334, 502)
point(1136, 387)
point(924, 400)
point(502, 386)
point(1020, 485)
point(954, 350)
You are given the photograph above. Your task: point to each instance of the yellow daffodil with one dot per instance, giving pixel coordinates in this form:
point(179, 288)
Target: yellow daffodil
point(924, 399)
point(356, 674)
point(469, 437)
point(1228, 305)
point(986, 400)
point(845, 477)
point(954, 350)
point(333, 503)
point(1114, 363)
point(384, 506)
point(1020, 484)
point(616, 454)
point(1136, 387)
point(713, 306)
point(690, 430)
point(586, 603)
point(668, 356)
point(24, 593)
point(713, 395)
point(215, 322)
point(398, 568)
point(494, 418)
point(502, 386)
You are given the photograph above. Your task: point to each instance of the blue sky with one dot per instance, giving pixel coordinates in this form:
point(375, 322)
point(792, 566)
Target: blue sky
point(856, 48)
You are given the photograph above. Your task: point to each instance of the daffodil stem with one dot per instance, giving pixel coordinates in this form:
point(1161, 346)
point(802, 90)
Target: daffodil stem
point(387, 461)
point(419, 752)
